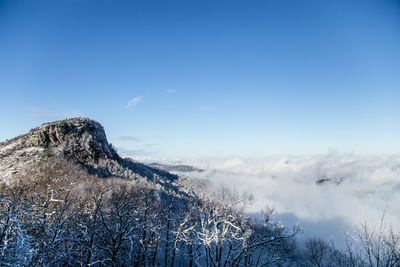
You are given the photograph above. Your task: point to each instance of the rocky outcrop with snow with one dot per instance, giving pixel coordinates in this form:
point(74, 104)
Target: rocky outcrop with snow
point(80, 140)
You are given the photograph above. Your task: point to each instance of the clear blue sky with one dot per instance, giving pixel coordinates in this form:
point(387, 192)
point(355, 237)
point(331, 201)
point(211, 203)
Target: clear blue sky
point(194, 78)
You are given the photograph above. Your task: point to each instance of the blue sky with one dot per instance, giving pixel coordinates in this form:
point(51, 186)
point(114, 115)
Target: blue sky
point(207, 77)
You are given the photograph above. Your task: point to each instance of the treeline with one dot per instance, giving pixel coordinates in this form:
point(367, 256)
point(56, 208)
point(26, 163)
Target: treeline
point(58, 215)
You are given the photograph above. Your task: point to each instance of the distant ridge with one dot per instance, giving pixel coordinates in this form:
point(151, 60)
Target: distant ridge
point(175, 168)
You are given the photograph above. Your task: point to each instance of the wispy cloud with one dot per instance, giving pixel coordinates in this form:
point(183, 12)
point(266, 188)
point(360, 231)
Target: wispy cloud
point(140, 151)
point(149, 146)
point(128, 138)
point(171, 91)
point(159, 136)
point(45, 114)
point(134, 101)
point(206, 108)
point(40, 113)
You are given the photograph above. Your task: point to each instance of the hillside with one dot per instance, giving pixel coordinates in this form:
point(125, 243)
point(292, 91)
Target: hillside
point(68, 199)
point(80, 140)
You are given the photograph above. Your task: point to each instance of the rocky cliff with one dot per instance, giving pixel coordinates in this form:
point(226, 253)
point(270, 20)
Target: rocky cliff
point(80, 140)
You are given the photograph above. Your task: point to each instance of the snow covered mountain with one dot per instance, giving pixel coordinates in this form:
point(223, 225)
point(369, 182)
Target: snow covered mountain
point(80, 140)
point(67, 198)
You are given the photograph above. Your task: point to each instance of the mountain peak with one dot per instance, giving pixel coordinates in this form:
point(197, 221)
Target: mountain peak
point(80, 140)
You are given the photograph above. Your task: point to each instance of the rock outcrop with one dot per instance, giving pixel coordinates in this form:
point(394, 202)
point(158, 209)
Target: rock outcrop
point(80, 140)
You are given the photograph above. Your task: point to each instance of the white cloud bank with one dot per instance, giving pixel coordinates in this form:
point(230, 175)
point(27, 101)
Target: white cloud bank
point(335, 189)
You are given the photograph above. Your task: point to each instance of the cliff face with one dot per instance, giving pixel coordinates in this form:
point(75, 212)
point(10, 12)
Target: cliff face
point(80, 140)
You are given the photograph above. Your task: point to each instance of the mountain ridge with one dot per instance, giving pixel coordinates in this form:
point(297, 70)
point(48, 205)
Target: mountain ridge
point(81, 140)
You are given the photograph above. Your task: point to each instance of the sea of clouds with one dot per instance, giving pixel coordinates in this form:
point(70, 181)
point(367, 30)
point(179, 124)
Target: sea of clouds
point(326, 194)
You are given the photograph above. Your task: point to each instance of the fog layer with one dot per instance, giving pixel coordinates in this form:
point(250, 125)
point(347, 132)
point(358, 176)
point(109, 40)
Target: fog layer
point(332, 190)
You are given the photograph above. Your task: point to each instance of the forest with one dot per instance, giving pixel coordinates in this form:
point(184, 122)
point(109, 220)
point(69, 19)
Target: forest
point(57, 214)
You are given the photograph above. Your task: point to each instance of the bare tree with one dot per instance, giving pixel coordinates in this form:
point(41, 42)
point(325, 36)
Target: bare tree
point(381, 246)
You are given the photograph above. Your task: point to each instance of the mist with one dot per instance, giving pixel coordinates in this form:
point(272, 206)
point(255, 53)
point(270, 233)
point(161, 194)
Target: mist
point(327, 194)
